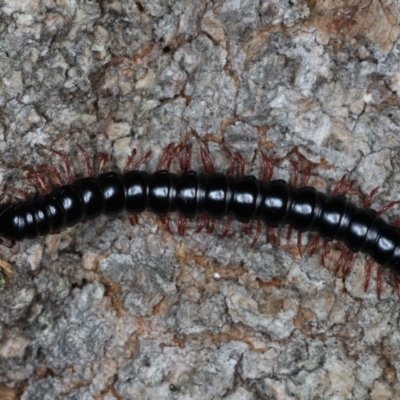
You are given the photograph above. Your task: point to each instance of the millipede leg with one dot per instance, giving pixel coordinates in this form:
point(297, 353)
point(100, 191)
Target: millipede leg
point(87, 160)
point(307, 176)
point(348, 265)
point(348, 187)
point(368, 271)
point(227, 226)
point(242, 163)
point(208, 165)
point(6, 185)
point(188, 158)
point(7, 243)
point(66, 162)
point(231, 161)
point(201, 224)
point(165, 221)
point(339, 184)
point(104, 159)
point(142, 160)
point(182, 223)
point(245, 228)
point(54, 171)
point(289, 235)
point(39, 180)
point(130, 160)
point(367, 201)
point(258, 232)
point(175, 150)
point(379, 281)
point(164, 156)
point(314, 245)
point(299, 243)
point(211, 228)
point(21, 192)
point(387, 206)
point(184, 158)
point(133, 219)
point(13, 199)
point(340, 261)
point(272, 233)
point(268, 168)
point(396, 284)
point(295, 173)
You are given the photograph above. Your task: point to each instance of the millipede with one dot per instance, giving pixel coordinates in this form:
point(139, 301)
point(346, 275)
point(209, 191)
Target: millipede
point(233, 195)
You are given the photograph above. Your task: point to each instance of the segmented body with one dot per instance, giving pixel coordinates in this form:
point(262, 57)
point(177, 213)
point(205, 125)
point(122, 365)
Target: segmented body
point(276, 203)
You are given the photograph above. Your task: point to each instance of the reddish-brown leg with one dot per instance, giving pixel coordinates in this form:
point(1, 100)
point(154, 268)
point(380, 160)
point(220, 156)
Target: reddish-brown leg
point(295, 172)
point(129, 161)
point(268, 168)
point(133, 219)
point(340, 261)
point(314, 245)
point(242, 163)
point(245, 228)
point(184, 158)
point(389, 205)
point(165, 156)
point(227, 226)
point(299, 243)
point(258, 232)
point(104, 159)
point(231, 161)
point(188, 158)
point(6, 185)
point(211, 228)
point(12, 199)
point(379, 281)
point(367, 201)
point(348, 187)
point(21, 192)
point(182, 223)
point(201, 224)
point(324, 251)
point(165, 221)
point(307, 176)
point(396, 284)
point(7, 243)
point(176, 150)
point(208, 165)
point(339, 184)
point(272, 233)
point(53, 171)
point(66, 162)
point(368, 271)
point(87, 160)
point(348, 265)
point(142, 160)
point(40, 181)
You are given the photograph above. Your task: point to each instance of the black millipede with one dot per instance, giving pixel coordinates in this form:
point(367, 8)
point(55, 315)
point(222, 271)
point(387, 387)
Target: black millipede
point(245, 198)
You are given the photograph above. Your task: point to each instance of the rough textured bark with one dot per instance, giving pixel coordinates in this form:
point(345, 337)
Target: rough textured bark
point(109, 311)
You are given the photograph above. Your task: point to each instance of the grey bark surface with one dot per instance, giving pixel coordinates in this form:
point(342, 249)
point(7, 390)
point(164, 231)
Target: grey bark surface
point(106, 310)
